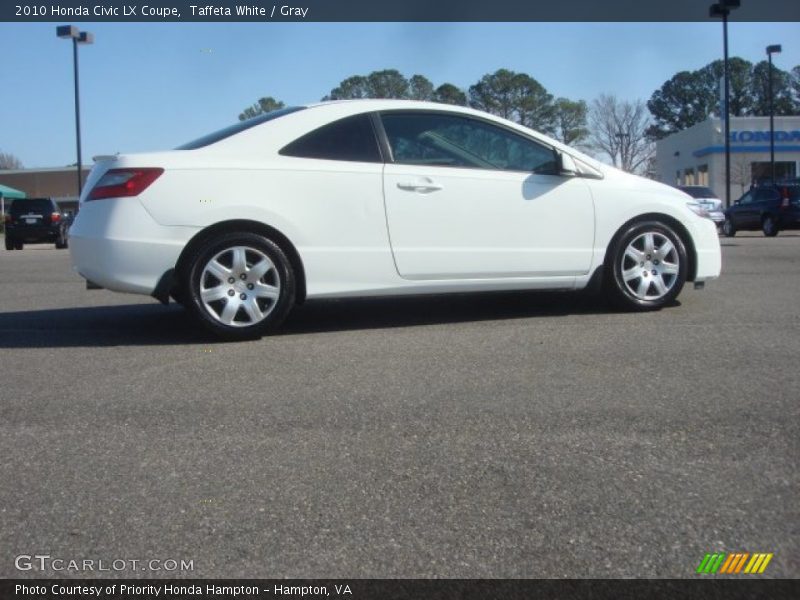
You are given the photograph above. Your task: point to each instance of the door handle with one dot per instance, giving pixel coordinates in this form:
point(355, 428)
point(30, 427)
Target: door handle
point(424, 187)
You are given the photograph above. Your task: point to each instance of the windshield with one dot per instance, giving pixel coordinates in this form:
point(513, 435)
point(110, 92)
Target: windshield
point(40, 206)
point(213, 138)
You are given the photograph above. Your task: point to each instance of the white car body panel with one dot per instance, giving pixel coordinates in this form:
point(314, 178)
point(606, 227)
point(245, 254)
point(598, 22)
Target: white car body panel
point(356, 233)
point(487, 224)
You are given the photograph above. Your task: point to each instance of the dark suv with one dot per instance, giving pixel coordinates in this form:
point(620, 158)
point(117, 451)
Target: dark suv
point(35, 221)
point(770, 208)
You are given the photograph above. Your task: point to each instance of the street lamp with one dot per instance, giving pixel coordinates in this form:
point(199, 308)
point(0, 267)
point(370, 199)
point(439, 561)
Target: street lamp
point(774, 49)
point(723, 9)
point(77, 37)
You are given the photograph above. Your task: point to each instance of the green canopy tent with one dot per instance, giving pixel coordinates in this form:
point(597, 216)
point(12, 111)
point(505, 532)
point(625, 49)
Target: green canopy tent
point(11, 193)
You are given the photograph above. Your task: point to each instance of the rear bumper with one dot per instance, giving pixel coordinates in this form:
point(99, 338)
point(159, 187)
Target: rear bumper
point(116, 244)
point(32, 234)
point(717, 216)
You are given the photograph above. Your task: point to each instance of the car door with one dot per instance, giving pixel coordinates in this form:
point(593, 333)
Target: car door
point(466, 198)
point(743, 211)
point(767, 201)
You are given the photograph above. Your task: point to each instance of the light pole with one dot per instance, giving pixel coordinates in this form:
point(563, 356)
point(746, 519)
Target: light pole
point(77, 37)
point(774, 49)
point(623, 148)
point(723, 9)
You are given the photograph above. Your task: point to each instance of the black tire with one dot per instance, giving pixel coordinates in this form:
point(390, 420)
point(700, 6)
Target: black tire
point(212, 313)
point(662, 275)
point(769, 226)
point(61, 242)
point(178, 296)
point(9, 243)
point(728, 228)
point(18, 245)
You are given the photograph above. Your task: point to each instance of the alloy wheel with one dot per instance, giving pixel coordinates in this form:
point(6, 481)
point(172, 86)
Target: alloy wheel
point(240, 286)
point(650, 266)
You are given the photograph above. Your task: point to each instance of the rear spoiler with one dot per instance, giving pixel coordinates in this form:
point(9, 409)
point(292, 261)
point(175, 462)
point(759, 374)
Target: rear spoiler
point(101, 157)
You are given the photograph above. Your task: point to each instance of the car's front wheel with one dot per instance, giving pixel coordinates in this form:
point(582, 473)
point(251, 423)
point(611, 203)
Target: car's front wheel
point(240, 285)
point(728, 228)
point(769, 226)
point(647, 266)
point(9, 243)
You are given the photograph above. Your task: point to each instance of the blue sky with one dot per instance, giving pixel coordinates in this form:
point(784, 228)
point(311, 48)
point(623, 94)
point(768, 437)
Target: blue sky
point(155, 86)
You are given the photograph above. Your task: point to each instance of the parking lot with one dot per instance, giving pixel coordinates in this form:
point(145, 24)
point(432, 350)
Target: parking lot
point(500, 436)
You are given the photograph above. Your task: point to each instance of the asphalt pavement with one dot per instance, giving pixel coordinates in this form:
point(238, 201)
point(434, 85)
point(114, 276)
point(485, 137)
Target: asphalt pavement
point(508, 435)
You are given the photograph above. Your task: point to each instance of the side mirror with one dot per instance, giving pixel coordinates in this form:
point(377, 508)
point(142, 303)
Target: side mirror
point(566, 164)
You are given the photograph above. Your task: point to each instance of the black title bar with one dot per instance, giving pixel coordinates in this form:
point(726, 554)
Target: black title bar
point(377, 11)
point(701, 588)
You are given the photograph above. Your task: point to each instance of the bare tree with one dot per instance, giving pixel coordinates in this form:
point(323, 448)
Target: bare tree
point(741, 172)
point(619, 130)
point(9, 161)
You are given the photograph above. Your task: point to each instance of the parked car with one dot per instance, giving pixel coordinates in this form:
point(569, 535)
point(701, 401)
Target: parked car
point(35, 221)
point(379, 197)
point(770, 208)
point(707, 200)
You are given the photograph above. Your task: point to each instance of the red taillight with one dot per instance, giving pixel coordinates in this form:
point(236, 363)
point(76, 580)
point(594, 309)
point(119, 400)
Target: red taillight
point(785, 200)
point(121, 183)
point(55, 217)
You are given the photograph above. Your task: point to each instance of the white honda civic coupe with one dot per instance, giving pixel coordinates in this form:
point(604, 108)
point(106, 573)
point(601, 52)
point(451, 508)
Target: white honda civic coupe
point(379, 197)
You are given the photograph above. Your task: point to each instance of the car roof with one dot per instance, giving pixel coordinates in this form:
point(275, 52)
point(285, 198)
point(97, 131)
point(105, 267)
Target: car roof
point(360, 105)
point(264, 139)
point(777, 184)
point(389, 103)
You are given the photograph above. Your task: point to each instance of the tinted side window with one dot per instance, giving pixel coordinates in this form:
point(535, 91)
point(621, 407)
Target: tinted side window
point(348, 139)
point(454, 141)
point(747, 198)
point(767, 194)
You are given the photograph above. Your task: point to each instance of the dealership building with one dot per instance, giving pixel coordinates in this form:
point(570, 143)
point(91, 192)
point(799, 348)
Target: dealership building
point(58, 183)
point(696, 156)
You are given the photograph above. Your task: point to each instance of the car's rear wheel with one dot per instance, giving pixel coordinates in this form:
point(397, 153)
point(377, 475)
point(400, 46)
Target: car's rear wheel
point(18, 245)
point(9, 244)
point(647, 268)
point(728, 228)
point(240, 285)
point(769, 226)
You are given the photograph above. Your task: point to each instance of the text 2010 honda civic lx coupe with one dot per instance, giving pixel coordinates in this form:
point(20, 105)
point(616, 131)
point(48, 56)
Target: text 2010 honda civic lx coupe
point(379, 197)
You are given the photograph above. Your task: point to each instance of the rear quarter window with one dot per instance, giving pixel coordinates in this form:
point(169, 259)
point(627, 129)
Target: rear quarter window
point(349, 139)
